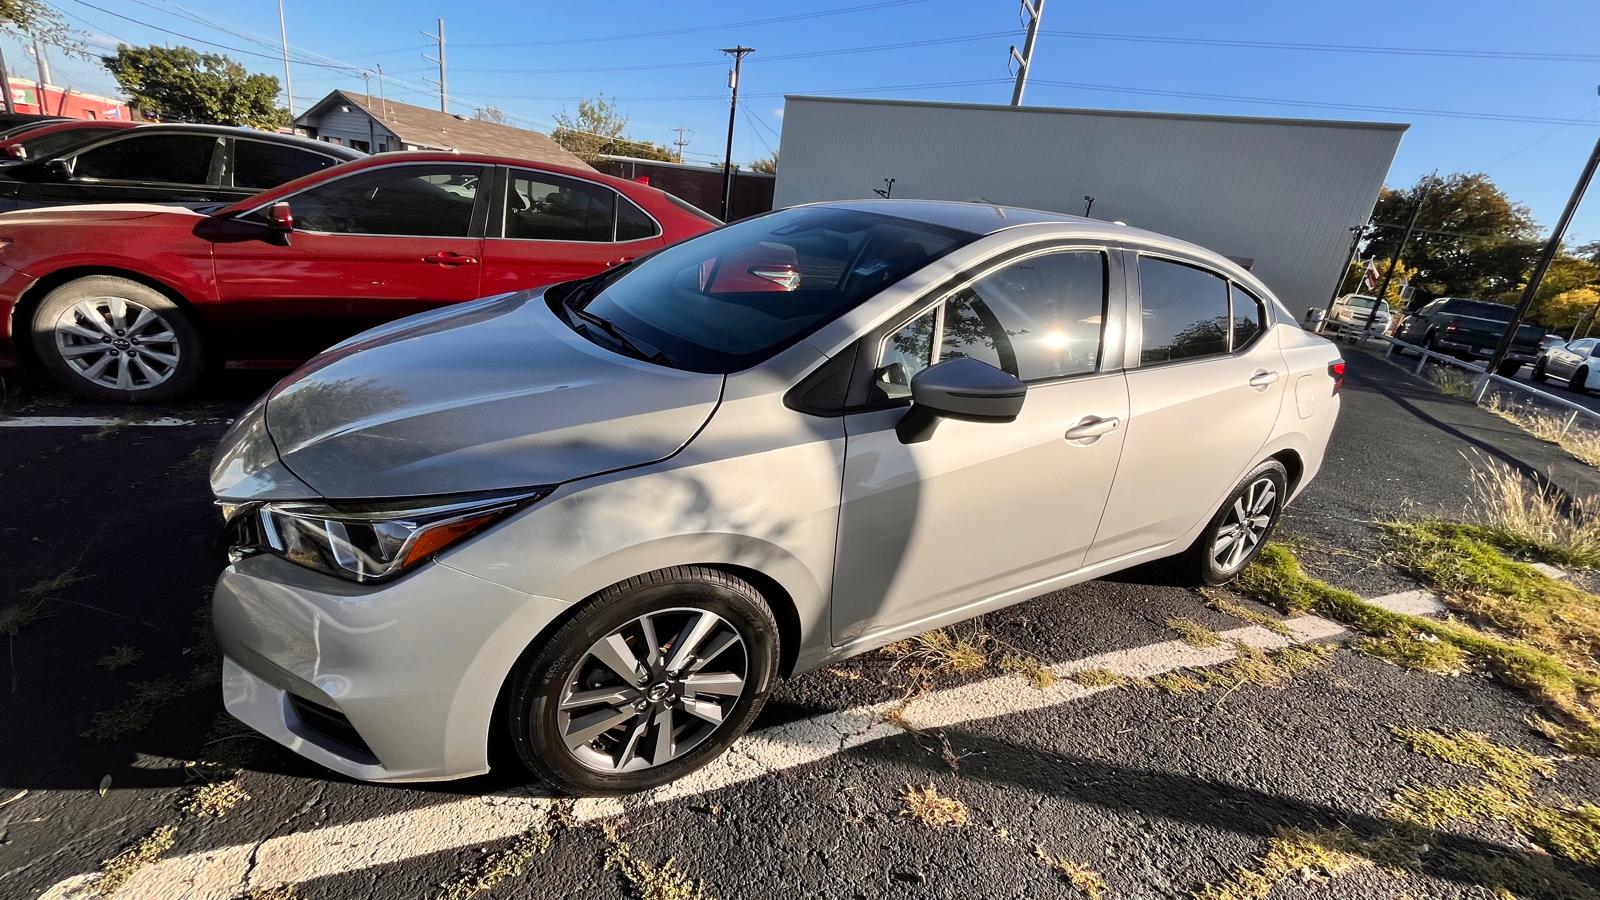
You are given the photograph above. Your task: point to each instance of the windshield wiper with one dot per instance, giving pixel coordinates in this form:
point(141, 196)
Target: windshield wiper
point(633, 345)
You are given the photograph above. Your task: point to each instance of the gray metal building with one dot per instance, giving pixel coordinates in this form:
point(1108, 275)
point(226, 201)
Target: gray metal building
point(1281, 193)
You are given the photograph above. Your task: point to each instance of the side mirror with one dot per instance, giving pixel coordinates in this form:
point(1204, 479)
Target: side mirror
point(280, 224)
point(57, 170)
point(959, 388)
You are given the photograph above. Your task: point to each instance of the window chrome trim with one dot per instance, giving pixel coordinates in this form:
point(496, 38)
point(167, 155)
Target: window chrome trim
point(505, 211)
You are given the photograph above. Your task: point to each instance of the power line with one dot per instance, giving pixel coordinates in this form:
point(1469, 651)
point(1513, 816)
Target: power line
point(187, 37)
point(926, 85)
point(694, 29)
point(1464, 53)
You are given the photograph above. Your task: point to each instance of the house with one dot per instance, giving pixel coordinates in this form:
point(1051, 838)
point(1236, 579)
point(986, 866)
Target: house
point(374, 125)
point(1281, 193)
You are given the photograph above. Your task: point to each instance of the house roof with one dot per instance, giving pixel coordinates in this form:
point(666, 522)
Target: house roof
point(433, 129)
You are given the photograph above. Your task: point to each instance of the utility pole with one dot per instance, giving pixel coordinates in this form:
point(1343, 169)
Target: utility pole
point(1388, 273)
point(1550, 249)
point(1357, 232)
point(738, 54)
point(440, 60)
point(682, 141)
point(383, 96)
point(1035, 11)
point(5, 86)
point(288, 82)
point(366, 85)
point(44, 70)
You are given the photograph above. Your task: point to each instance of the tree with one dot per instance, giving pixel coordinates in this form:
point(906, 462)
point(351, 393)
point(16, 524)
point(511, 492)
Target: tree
point(36, 19)
point(491, 114)
point(1589, 251)
point(177, 84)
point(1566, 291)
point(597, 131)
point(1471, 239)
point(766, 165)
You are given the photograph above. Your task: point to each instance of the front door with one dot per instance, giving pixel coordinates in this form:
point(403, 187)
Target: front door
point(982, 509)
point(367, 248)
point(554, 228)
point(1203, 400)
point(1563, 361)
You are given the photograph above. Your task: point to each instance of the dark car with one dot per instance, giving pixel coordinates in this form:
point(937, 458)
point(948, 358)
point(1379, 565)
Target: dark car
point(1470, 328)
point(167, 164)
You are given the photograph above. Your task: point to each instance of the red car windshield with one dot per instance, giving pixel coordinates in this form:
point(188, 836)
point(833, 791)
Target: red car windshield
point(728, 299)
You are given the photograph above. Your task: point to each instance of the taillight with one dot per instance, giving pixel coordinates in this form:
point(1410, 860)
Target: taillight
point(1336, 372)
point(1450, 329)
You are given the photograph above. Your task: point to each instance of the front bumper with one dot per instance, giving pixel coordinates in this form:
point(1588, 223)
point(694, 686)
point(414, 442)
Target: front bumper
point(413, 666)
point(13, 285)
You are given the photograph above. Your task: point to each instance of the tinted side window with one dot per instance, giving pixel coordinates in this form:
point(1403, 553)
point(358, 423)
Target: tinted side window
point(632, 223)
point(1247, 316)
point(432, 201)
point(1185, 312)
point(551, 208)
point(171, 158)
point(1038, 318)
point(905, 353)
point(258, 164)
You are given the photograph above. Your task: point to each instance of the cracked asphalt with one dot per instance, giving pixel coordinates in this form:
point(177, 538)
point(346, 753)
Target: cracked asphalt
point(106, 542)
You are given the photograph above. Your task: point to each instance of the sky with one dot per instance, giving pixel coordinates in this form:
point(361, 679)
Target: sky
point(1508, 89)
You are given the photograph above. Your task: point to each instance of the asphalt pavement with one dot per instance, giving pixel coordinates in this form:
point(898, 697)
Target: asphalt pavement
point(112, 726)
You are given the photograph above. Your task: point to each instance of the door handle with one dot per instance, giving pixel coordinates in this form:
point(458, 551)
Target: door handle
point(1261, 379)
point(1092, 428)
point(619, 261)
point(450, 258)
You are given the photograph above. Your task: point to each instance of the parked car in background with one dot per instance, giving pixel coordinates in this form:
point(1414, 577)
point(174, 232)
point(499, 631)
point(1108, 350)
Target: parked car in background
point(1550, 342)
point(166, 164)
point(56, 137)
point(1357, 310)
point(1470, 329)
point(1572, 362)
point(20, 123)
point(600, 519)
point(132, 302)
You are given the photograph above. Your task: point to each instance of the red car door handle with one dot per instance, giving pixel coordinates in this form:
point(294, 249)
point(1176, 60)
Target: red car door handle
point(450, 258)
point(619, 261)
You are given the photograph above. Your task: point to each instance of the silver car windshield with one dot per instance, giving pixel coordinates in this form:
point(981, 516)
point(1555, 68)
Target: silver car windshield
point(728, 299)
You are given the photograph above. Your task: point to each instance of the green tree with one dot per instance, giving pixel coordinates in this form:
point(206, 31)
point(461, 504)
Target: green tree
point(597, 131)
point(1472, 240)
point(177, 84)
point(1565, 291)
point(766, 165)
point(36, 19)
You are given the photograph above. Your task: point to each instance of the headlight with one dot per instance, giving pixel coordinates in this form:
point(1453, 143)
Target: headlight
point(376, 540)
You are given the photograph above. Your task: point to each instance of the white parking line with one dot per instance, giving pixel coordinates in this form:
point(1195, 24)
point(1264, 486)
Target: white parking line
point(99, 422)
point(303, 856)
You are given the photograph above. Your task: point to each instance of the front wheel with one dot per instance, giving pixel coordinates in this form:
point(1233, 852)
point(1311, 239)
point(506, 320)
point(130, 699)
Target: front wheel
point(110, 338)
point(652, 679)
point(1580, 380)
point(1237, 532)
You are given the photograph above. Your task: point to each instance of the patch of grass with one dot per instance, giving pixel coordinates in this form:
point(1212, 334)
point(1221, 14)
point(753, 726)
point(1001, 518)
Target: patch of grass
point(1277, 579)
point(1098, 678)
point(1530, 876)
point(116, 871)
point(136, 712)
point(15, 618)
point(1307, 855)
point(928, 806)
point(1469, 748)
point(1534, 520)
point(1453, 382)
point(508, 862)
point(1245, 613)
point(214, 800)
point(1581, 443)
point(1416, 650)
point(1030, 667)
point(198, 462)
point(1177, 683)
point(944, 651)
point(648, 881)
point(55, 584)
point(1193, 633)
point(120, 657)
point(1089, 883)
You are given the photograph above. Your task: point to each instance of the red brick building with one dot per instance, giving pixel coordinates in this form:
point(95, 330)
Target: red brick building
point(60, 101)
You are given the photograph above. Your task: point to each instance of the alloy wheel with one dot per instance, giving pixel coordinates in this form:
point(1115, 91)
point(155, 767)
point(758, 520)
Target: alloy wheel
point(117, 343)
point(652, 690)
point(1245, 525)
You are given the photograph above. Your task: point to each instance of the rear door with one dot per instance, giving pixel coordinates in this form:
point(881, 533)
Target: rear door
point(368, 247)
point(1205, 383)
point(548, 228)
point(163, 166)
point(981, 509)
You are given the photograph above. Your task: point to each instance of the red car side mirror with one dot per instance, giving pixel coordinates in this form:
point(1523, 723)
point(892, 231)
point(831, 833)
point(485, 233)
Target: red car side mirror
point(280, 223)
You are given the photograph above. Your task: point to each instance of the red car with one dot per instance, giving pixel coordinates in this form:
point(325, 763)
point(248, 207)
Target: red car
point(56, 137)
point(132, 302)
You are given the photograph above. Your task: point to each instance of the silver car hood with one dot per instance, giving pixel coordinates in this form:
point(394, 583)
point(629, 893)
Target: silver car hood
point(494, 394)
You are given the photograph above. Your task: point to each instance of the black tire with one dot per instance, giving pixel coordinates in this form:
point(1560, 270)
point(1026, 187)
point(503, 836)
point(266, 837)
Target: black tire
point(1579, 382)
point(61, 309)
point(1508, 369)
point(1539, 376)
point(1198, 565)
point(539, 681)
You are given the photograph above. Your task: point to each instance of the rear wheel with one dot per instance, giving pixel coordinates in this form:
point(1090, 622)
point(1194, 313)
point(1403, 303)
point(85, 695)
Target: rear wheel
point(1508, 369)
point(1236, 534)
point(110, 338)
point(1539, 374)
point(653, 679)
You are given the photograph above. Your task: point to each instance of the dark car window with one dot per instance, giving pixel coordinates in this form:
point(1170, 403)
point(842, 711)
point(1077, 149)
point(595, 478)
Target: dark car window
point(1037, 318)
point(58, 142)
point(632, 222)
point(1249, 316)
point(415, 200)
point(261, 164)
point(169, 158)
point(1184, 312)
point(1478, 309)
point(726, 300)
point(547, 207)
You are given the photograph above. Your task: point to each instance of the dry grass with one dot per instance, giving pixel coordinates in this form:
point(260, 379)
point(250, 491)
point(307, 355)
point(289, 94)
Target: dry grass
point(55, 584)
point(1032, 668)
point(505, 863)
point(120, 657)
point(214, 800)
point(1535, 520)
point(1453, 382)
point(116, 871)
point(1582, 443)
point(1177, 683)
point(1099, 678)
point(15, 618)
point(648, 881)
point(1245, 613)
point(1250, 665)
point(1089, 883)
point(1306, 855)
point(945, 652)
point(928, 806)
point(1193, 633)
